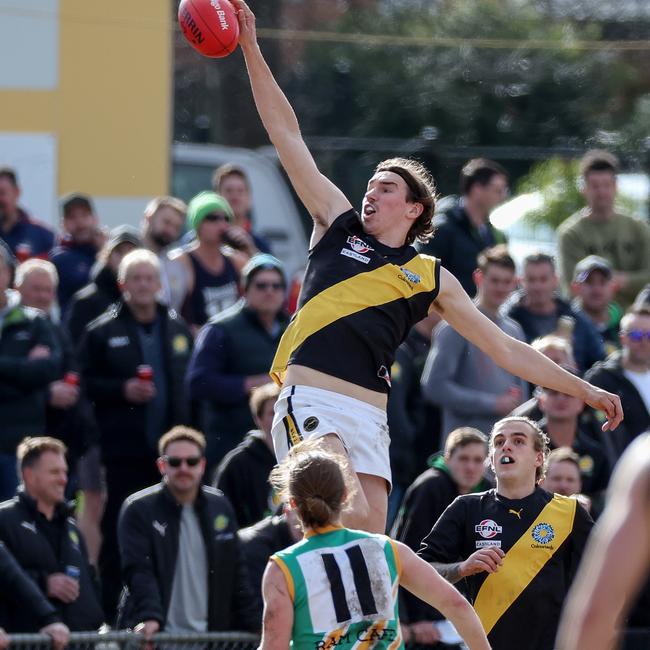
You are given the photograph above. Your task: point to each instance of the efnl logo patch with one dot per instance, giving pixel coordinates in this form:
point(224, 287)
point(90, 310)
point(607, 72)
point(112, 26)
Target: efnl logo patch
point(488, 529)
point(356, 250)
point(220, 523)
point(543, 533)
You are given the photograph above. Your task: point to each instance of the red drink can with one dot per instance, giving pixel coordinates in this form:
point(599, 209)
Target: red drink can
point(144, 372)
point(71, 378)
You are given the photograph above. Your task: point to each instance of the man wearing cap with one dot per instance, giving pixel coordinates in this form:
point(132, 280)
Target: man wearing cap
point(93, 299)
point(215, 260)
point(77, 249)
point(233, 352)
point(23, 235)
point(593, 288)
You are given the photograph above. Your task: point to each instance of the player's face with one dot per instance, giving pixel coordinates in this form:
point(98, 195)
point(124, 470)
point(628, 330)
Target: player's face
point(540, 282)
point(182, 466)
point(563, 477)
point(596, 292)
point(559, 406)
point(513, 452)
point(467, 465)
point(600, 190)
point(384, 203)
point(235, 190)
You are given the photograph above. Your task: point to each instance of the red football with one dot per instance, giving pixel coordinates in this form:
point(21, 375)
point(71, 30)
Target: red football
point(210, 26)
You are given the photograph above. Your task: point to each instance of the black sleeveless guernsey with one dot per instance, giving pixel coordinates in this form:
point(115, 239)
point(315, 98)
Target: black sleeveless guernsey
point(358, 302)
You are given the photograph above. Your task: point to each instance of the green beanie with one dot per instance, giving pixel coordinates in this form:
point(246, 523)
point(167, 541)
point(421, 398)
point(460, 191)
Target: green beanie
point(206, 203)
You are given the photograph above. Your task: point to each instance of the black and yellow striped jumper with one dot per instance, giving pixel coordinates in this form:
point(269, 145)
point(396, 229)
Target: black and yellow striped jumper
point(359, 300)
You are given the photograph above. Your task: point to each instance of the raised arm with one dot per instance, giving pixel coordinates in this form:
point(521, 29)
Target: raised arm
point(455, 306)
point(321, 197)
point(422, 580)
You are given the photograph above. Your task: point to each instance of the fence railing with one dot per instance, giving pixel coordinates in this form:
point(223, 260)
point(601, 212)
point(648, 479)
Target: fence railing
point(126, 640)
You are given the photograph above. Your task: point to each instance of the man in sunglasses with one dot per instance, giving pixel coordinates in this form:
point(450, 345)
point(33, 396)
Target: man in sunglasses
point(234, 352)
point(627, 373)
point(181, 558)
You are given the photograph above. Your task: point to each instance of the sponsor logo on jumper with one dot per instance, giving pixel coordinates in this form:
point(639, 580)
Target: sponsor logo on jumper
point(488, 529)
point(355, 256)
point(383, 373)
point(414, 278)
point(358, 245)
point(221, 13)
point(160, 528)
point(543, 533)
point(516, 513)
point(118, 341)
point(30, 525)
point(486, 543)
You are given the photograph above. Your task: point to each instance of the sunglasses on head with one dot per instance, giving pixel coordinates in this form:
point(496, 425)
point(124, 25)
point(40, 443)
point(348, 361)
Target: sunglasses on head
point(177, 461)
point(638, 335)
point(215, 216)
point(268, 285)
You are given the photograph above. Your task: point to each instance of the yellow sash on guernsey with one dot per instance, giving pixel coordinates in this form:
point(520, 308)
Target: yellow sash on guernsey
point(525, 560)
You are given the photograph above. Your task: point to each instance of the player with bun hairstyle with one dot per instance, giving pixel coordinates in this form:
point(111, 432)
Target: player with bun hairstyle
point(365, 286)
point(338, 587)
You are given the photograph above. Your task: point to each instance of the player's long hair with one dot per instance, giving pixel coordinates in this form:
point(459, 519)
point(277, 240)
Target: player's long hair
point(421, 189)
point(315, 480)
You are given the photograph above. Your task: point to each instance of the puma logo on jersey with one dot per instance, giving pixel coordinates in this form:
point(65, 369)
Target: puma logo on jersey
point(160, 528)
point(517, 513)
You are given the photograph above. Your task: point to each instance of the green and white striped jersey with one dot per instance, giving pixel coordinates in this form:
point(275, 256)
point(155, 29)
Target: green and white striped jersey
point(343, 584)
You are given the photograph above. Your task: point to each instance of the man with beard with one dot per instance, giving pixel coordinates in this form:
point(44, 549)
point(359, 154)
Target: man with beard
point(162, 226)
point(25, 237)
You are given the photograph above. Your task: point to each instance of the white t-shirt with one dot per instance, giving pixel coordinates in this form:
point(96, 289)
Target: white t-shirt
point(641, 381)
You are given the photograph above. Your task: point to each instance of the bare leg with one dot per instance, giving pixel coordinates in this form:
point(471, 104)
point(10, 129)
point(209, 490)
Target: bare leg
point(369, 505)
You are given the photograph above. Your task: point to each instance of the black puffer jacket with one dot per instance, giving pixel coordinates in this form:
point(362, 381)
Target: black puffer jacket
point(149, 559)
point(21, 531)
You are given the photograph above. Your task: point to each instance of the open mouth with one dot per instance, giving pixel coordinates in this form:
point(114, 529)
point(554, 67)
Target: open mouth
point(369, 209)
point(506, 460)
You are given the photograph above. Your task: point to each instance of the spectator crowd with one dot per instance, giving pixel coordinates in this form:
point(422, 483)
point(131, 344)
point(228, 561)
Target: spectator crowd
point(136, 405)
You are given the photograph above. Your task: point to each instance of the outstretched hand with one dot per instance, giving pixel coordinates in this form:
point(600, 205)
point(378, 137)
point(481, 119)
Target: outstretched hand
point(247, 32)
point(609, 403)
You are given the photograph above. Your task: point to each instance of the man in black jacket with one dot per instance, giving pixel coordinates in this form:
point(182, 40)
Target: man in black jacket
point(37, 528)
point(233, 353)
point(95, 298)
point(29, 360)
point(243, 475)
point(133, 360)
point(181, 557)
point(464, 229)
point(626, 372)
point(20, 592)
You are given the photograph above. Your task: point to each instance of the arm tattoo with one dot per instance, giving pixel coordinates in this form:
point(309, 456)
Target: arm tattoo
point(450, 572)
